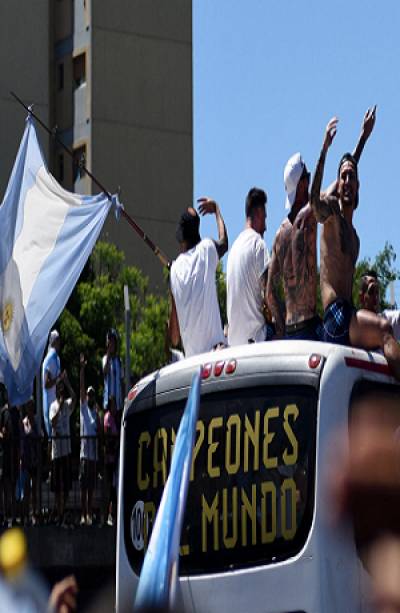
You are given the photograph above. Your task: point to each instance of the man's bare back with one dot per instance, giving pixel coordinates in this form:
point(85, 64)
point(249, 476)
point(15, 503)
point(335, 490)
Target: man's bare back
point(295, 250)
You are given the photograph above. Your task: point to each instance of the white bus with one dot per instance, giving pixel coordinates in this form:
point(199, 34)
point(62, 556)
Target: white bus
point(256, 536)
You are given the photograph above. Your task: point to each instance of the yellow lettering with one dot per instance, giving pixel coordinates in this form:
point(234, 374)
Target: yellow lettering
point(199, 442)
point(249, 509)
point(252, 434)
point(184, 550)
point(230, 541)
point(290, 458)
point(209, 514)
point(149, 515)
point(233, 466)
point(213, 471)
point(288, 511)
point(268, 436)
point(160, 464)
point(142, 481)
point(173, 439)
point(268, 535)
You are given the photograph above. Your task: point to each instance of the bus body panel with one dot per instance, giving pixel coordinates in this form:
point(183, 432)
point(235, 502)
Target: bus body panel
point(326, 575)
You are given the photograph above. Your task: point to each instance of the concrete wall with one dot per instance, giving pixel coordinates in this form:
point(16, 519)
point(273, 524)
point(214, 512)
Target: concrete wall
point(24, 67)
point(142, 118)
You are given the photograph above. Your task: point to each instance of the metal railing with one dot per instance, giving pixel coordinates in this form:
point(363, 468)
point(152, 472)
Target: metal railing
point(30, 484)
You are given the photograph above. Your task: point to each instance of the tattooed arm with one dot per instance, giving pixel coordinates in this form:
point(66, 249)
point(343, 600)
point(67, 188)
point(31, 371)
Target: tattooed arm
point(274, 303)
point(322, 206)
point(366, 129)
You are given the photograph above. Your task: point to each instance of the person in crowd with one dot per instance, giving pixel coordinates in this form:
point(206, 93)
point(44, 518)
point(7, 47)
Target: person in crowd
point(195, 317)
point(111, 449)
point(294, 253)
point(60, 413)
point(51, 369)
point(340, 244)
point(10, 434)
point(112, 371)
point(370, 300)
point(246, 276)
point(89, 431)
point(30, 450)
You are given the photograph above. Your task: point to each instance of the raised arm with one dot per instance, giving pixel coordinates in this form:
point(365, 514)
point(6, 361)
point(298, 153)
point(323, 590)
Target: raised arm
point(207, 206)
point(366, 129)
point(322, 205)
point(70, 390)
point(82, 390)
point(273, 300)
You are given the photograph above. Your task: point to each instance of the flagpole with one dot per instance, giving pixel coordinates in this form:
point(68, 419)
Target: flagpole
point(53, 133)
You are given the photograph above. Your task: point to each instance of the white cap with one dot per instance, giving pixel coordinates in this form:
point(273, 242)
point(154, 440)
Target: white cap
point(291, 176)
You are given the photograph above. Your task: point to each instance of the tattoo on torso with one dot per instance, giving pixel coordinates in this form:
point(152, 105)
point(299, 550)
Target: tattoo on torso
point(296, 251)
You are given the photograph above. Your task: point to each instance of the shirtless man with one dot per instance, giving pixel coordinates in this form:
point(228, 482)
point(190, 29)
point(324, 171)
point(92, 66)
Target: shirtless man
point(339, 251)
point(294, 259)
point(369, 296)
point(294, 253)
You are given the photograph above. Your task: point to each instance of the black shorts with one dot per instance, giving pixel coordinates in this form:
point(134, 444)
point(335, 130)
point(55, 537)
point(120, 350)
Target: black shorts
point(307, 330)
point(87, 474)
point(61, 477)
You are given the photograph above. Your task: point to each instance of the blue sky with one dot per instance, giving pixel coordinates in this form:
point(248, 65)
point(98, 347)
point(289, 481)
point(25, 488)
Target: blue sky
point(268, 75)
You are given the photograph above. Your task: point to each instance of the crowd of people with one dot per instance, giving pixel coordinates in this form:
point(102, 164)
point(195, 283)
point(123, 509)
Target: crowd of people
point(38, 448)
point(275, 297)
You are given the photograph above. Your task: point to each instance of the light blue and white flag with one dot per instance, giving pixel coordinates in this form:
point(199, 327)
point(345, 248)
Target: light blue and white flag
point(47, 237)
point(159, 576)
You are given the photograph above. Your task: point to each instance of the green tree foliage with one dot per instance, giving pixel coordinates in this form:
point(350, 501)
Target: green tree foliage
point(97, 304)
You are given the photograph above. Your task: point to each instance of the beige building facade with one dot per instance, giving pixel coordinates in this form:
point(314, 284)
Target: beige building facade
point(116, 80)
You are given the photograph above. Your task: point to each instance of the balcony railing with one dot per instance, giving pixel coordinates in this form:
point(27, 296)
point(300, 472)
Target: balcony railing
point(30, 487)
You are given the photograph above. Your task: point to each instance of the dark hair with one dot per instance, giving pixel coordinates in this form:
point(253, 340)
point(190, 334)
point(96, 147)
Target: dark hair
point(188, 227)
point(255, 199)
point(364, 279)
point(348, 157)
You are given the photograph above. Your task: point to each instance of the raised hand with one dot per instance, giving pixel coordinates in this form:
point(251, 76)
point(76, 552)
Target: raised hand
point(207, 206)
point(330, 133)
point(369, 122)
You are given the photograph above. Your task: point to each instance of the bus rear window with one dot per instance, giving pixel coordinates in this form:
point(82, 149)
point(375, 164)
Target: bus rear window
point(251, 491)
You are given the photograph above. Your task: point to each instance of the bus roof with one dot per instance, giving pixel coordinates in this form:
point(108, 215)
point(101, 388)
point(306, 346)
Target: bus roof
point(304, 354)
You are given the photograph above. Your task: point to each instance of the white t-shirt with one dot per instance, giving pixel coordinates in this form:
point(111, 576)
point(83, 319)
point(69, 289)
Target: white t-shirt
point(247, 261)
point(51, 364)
point(61, 428)
point(88, 427)
point(393, 317)
point(194, 290)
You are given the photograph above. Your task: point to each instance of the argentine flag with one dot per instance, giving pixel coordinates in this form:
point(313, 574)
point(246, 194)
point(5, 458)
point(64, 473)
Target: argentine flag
point(47, 236)
point(159, 577)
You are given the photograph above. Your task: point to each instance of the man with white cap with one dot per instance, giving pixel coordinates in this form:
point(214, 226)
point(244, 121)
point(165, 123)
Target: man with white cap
point(50, 371)
point(294, 260)
point(246, 276)
point(294, 254)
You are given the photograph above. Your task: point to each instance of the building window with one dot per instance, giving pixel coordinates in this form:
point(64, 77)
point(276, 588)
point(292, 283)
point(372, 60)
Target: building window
point(79, 69)
point(61, 168)
point(60, 76)
point(79, 161)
